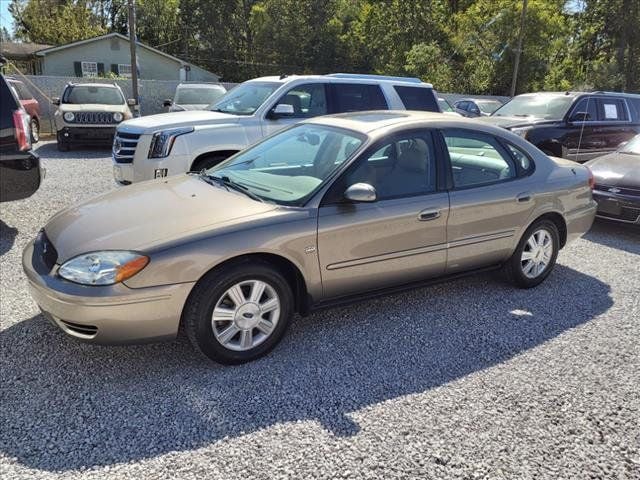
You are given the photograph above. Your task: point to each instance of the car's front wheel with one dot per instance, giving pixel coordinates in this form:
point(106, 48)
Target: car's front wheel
point(535, 255)
point(238, 313)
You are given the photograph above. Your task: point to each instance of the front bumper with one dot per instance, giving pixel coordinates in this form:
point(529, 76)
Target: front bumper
point(617, 206)
point(88, 135)
point(109, 315)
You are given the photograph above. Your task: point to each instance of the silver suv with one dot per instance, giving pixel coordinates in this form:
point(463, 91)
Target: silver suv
point(172, 143)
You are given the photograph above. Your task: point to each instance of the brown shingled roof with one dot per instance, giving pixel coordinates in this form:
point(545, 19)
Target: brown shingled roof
point(20, 50)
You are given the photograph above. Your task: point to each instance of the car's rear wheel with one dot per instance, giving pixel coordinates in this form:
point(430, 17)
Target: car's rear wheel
point(238, 313)
point(35, 131)
point(535, 255)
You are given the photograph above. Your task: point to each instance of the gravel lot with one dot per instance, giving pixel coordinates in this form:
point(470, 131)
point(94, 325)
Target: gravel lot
point(469, 379)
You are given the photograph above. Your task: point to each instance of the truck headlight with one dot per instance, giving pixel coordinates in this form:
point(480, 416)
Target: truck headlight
point(521, 131)
point(117, 117)
point(162, 142)
point(103, 268)
point(68, 116)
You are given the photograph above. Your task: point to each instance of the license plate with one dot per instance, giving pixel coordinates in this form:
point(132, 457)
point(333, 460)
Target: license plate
point(611, 207)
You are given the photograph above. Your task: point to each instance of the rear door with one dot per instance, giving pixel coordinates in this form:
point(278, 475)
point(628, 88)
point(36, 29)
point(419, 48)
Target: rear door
point(399, 238)
point(491, 198)
point(418, 98)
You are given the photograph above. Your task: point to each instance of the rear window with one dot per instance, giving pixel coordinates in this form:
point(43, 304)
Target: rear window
point(417, 98)
point(355, 97)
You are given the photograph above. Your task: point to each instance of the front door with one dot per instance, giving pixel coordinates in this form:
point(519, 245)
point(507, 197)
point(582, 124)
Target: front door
point(399, 238)
point(306, 101)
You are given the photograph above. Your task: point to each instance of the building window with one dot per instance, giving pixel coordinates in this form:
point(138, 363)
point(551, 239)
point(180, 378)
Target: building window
point(89, 69)
point(124, 70)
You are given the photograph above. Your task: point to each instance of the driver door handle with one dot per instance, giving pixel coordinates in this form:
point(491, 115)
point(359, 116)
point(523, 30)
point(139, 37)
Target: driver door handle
point(429, 214)
point(524, 197)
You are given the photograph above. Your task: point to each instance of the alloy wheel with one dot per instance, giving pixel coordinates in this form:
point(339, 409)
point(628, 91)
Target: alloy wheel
point(246, 315)
point(537, 253)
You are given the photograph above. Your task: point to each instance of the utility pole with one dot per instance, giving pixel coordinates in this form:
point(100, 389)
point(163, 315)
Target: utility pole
point(132, 46)
point(516, 63)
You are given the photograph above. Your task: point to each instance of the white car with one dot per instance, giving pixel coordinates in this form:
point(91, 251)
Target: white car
point(171, 143)
point(194, 96)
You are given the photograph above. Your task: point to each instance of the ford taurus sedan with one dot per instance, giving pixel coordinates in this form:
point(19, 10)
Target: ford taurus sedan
point(327, 210)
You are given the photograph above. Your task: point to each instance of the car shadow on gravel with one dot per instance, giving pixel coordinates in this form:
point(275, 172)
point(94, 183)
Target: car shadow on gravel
point(7, 237)
point(68, 405)
point(615, 235)
point(49, 150)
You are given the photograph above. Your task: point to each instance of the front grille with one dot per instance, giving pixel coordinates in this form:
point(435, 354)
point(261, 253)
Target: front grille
point(633, 192)
point(627, 214)
point(45, 254)
point(86, 330)
point(124, 146)
point(94, 118)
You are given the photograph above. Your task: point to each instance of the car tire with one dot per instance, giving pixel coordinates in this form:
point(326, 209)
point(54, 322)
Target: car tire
point(238, 313)
point(535, 256)
point(35, 131)
point(207, 162)
point(63, 145)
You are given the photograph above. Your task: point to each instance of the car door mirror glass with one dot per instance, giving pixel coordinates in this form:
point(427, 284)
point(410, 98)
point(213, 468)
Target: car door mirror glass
point(55, 100)
point(282, 110)
point(360, 192)
point(580, 117)
point(131, 102)
point(167, 103)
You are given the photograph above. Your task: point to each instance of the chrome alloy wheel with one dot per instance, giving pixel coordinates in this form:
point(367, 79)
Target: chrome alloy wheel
point(537, 253)
point(246, 315)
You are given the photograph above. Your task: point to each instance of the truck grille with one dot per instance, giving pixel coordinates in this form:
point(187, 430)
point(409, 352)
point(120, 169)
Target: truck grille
point(94, 118)
point(124, 146)
point(620, 191)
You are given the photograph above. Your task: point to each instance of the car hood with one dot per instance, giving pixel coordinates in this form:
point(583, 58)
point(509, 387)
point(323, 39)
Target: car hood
point(512, 122)
point(178, 107)
point(92, 107)
point(617, 170)
point(152, 123)
point(149, 214)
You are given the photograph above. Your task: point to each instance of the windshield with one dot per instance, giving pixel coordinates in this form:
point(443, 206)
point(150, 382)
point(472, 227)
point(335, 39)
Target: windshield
point(444, 105)
point(290, 166)
point(198, 95)
point(80, 94)
point(246, 98)
point(633, 146)
point(545, 106)
point(488, 106)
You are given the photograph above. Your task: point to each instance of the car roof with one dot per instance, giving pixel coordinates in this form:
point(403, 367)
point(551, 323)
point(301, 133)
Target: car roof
point(367, 122)
point(200, 85)
point(576, 94)
point(91, 84)
point(349, 77)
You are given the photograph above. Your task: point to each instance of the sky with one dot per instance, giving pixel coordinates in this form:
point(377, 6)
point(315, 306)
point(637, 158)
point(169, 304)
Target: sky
point(5, 18)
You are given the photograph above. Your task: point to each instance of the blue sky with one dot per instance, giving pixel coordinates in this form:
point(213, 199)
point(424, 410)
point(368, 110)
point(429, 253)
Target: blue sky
point(5, 19)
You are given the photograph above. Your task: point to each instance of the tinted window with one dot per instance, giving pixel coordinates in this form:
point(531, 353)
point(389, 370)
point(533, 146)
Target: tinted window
point(587, 105)
point(401, 168)
point(307, 100)
point(462, 105)
point(473, 108)
point(355, 97)
point(612, 110)
point(417, 98)
point(477, 159)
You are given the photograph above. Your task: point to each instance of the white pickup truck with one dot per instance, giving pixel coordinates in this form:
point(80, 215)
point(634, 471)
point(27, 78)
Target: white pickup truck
point(171, 143)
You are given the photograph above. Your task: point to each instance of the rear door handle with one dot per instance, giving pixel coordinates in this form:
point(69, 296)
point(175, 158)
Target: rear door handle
point(425, 215)
point(524, 197)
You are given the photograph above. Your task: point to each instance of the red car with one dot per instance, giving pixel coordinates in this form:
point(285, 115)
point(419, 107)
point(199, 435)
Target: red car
point(30, 104)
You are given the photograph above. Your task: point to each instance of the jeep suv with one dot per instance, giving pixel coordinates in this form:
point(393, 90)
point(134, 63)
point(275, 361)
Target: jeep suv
point(578, 126)
point(88, 113)
point(173, 143)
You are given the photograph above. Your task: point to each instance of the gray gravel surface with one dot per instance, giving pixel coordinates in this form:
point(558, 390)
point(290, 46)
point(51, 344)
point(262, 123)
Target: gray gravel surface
point(469, 379)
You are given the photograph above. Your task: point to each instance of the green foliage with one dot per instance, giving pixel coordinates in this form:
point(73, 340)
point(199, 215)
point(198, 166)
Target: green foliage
point(458, 45)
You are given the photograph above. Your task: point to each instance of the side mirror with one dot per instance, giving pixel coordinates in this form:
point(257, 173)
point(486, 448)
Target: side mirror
point(580, 117)
point(361, 192)
point(167, 103)
point(55, 100)
point(131, 102)
point(282, 110)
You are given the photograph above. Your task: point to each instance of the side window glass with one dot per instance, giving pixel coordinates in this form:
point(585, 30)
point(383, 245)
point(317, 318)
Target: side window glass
point(24, 93)
point(356, 97)
point(417, 98)
point(307, 100)
point(612, 110)
point(521, 158)
point(402, 168)
point(477, 159)
point(295, 152)
point(589, 106)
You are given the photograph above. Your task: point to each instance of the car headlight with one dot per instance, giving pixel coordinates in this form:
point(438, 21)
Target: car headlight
point(103, 268)
point(68, 116)
point(521, 131)
point(162, 141)
point(117, 117)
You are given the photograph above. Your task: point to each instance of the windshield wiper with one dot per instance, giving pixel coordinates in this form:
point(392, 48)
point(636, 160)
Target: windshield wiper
point(228, 183)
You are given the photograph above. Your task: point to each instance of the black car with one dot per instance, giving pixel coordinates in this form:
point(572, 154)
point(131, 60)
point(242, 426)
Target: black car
point(476, 107)
point(578, 126)
point(617, 183)
point(20, 172)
